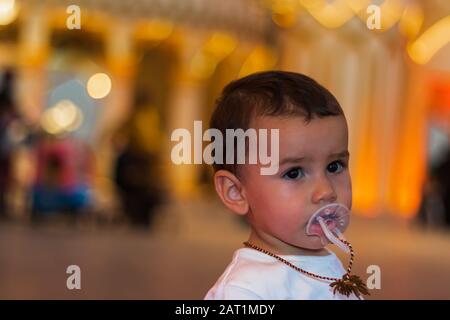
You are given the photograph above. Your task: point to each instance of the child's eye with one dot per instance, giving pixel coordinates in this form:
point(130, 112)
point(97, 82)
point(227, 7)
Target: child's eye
point(293, 174)
point(336, 166)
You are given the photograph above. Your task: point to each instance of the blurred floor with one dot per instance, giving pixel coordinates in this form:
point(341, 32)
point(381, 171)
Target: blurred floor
point(187, 251)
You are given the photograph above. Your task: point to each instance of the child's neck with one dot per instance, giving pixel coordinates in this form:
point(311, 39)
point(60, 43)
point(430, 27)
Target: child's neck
point(279, 247)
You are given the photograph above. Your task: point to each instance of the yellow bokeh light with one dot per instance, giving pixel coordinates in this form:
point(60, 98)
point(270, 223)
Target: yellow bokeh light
point(358, 5)
point(99, 85)
point(49, 124)
point(391, 12)
point(411, 21)
point(203, 65)
point(330, 15)
point(284, 13)
point(433, 39)
point(8, 11)
point(260, 59)
point(220, 45)
point(154, 30)
point(65, 116)
point(64, 113)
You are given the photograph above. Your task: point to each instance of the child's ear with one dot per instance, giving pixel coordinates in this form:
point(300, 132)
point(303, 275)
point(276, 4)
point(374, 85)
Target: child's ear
point(229, 188)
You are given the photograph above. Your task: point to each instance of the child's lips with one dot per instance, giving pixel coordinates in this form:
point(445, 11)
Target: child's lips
point(316, 229)
point(335, 216)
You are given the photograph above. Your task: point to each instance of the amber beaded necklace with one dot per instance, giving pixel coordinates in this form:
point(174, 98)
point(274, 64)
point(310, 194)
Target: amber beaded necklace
point(346, 285)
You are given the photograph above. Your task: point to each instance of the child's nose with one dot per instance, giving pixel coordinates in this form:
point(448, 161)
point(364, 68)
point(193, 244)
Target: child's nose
point(324, 191)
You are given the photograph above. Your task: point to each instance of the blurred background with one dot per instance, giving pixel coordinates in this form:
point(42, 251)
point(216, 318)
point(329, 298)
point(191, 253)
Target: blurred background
point(91, 90)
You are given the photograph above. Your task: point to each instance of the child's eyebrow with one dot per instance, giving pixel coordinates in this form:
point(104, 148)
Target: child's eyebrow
point(292, 160)
point(342, 154)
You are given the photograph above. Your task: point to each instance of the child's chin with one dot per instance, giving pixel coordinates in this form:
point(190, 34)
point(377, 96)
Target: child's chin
point(317, 247)
point(316, 244)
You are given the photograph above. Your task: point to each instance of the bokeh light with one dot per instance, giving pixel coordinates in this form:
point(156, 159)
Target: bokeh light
point(65, 116)
point(99, 85)
point(8, 11)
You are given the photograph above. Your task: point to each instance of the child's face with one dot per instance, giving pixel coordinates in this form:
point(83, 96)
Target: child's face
point(280, 205)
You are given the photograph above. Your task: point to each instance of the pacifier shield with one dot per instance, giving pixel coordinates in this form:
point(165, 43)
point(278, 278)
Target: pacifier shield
point(335, 216)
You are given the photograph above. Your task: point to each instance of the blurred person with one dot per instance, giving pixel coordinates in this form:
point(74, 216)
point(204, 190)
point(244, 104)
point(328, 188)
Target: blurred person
point(443, 171)
point(7, 117)
point(435, 205)
point(62, 182)
point(136, 182)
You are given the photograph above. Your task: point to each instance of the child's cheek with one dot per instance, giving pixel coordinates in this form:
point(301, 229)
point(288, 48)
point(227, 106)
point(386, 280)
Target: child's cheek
point(346, 192)
point(349, 193)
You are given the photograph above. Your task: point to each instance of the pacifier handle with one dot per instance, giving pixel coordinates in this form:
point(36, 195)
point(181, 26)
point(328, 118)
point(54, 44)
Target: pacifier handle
point(330, 235)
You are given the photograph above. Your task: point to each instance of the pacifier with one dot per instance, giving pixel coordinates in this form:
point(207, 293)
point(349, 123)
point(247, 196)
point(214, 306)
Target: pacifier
point(329, 223)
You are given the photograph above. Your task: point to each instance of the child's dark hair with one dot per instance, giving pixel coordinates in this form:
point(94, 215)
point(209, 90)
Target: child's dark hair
point(270, 93)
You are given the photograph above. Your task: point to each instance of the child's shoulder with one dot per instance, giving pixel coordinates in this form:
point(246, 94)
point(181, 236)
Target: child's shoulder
point(248, 276)
point(248, 265)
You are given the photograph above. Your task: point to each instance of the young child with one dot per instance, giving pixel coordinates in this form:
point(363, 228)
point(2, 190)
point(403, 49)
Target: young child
point(281, 260)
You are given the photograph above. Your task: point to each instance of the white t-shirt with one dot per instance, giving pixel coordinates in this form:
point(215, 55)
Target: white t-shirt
point(253, 275)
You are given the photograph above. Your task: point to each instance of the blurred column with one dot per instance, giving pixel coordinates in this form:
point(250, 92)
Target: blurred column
point(366, 168)
point(121, 66)
point(33, 48)
point(410, 157)
point(390, 118)
point(186, 106)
